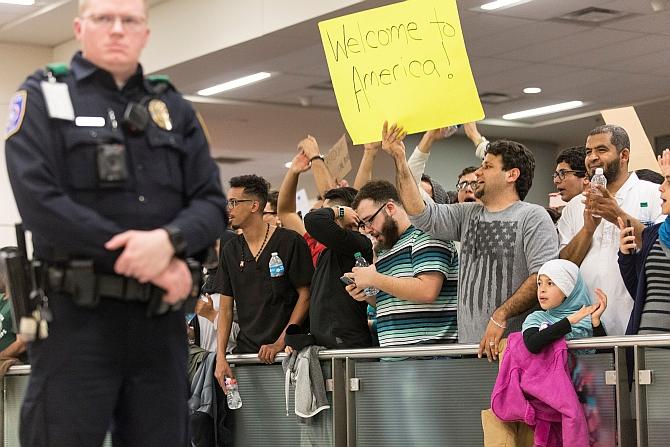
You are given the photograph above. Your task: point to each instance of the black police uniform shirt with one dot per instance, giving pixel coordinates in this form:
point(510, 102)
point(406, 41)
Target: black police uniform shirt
point(264, 304)
point(336, 320)
point(52, 165)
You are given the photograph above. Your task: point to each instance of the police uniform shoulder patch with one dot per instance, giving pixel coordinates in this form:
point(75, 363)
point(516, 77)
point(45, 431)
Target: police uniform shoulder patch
point(17, 110)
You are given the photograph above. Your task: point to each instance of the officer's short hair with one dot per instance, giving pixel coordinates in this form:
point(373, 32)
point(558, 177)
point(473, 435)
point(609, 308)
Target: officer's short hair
point(83, 3)
point(253, 185)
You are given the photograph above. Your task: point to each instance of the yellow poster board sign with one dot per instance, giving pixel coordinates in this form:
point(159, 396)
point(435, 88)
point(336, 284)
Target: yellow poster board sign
point(403, 63)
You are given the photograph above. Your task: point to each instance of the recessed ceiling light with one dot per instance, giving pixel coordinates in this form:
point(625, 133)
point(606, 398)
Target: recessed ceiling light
point(543, 110)
point(502, 4)
point(532, 90)
point(235, 83)
point(18, 2)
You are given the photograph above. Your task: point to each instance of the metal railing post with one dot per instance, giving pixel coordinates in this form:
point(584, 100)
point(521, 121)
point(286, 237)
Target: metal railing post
point(339, 403)
point(624, 422)
point(640, 398)
point(350, 368)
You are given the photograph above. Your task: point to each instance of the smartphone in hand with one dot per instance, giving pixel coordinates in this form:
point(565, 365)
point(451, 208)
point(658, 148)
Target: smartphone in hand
point(347, 281)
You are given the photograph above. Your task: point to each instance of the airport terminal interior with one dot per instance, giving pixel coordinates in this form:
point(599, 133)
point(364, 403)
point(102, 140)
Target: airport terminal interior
point(262, 77)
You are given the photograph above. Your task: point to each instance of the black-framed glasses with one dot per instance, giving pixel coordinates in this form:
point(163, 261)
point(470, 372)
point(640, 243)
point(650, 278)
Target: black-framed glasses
point(232, 203)
point(368, 222)
point(560, 174)
point(269, 213)
point(462, 185)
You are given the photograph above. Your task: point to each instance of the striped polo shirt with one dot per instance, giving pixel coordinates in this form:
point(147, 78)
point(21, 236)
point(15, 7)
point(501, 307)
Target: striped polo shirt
point(656, 312)
point(402, 322)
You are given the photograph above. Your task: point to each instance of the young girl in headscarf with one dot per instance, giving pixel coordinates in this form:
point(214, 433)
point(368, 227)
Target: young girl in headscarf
point(566, 307)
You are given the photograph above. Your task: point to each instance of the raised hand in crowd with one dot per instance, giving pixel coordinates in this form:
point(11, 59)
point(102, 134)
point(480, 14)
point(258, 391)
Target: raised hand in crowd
point(392, 139)
point(322, 177)
point(300, 163)
point(664, 162)
point(628, 239)
point(477, 139)
point(431, 136)
point(309, 147)
point(364, 173)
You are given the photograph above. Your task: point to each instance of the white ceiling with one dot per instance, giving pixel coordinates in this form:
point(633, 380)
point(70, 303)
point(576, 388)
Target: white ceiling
point(623, 62)
point(47, 22)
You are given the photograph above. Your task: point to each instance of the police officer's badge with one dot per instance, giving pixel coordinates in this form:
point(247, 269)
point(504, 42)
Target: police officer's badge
point(160, 114)
point(17, 109)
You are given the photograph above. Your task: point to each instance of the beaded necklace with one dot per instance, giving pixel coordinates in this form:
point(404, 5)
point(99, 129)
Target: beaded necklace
point(258, 255)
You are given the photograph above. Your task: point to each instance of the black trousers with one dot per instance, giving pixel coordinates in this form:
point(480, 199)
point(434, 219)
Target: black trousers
point(107, 369)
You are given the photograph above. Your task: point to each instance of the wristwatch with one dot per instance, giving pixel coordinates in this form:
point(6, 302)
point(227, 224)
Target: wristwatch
point(176, 239)
point(317, 157)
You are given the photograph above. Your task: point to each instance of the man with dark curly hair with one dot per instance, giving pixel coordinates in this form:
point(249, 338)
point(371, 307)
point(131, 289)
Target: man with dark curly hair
point(504, 240)
point(570, 177)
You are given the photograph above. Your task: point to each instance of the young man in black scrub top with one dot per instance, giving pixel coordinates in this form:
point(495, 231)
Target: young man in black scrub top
point(265, 305)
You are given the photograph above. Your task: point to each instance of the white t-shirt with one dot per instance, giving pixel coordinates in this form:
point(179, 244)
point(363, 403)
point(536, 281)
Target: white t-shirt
point(208, 328)
point(600, 268)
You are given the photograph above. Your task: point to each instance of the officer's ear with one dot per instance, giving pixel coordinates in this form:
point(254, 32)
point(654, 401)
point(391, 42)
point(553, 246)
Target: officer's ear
point(256, 206)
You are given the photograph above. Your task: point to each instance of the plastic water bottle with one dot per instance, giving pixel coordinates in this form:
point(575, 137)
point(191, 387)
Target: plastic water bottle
point(645, 215)
point(361, 262)
point(598, 179)
point(276, 266)
point(233, 394)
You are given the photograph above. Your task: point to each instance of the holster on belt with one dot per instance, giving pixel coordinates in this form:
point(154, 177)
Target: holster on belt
point(79, 281)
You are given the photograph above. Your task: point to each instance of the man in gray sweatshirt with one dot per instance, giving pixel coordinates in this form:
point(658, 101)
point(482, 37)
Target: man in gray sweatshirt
point(504, 241)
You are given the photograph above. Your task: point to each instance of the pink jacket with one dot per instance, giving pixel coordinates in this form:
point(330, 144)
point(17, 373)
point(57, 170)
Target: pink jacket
point(536, 389)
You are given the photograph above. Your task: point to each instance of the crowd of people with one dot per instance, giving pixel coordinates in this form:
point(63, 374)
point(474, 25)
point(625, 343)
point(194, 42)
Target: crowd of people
point(443, 267)
point(119, 214)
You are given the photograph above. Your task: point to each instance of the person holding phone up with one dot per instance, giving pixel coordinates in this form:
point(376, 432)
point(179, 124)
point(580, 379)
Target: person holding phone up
point(644, 261)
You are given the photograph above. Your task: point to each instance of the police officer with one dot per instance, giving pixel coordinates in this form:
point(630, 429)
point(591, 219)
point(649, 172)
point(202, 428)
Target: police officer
point(110, 168)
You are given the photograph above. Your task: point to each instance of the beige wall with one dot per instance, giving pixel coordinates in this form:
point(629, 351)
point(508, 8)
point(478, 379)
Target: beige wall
point(18, 62)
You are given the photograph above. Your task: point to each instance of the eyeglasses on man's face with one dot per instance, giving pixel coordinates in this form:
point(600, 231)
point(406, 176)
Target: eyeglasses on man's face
point(107, 21)
point(462, 185)
point(232, 203)
point(367, 223)
point(560, 174)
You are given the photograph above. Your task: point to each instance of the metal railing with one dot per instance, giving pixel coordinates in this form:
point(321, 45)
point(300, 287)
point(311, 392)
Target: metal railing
point(631, 431)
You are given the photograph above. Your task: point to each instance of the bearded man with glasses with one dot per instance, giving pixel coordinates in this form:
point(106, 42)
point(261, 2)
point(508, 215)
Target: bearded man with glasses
point(416, 274)
point(111, 173)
